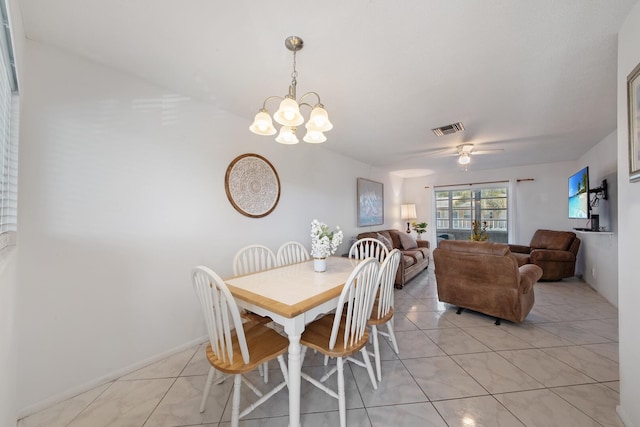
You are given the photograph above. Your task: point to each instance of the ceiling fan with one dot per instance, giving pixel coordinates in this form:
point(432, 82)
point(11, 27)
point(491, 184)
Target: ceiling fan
point(463, 151)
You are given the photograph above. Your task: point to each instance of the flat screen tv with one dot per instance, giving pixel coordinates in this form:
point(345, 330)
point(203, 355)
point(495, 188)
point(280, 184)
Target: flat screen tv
point(579, 194)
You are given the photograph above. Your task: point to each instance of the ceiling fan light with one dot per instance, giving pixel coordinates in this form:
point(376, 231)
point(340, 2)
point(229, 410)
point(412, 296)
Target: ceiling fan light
point(287, 135)
point(289, 113)
point(319, 120)
point(262, 124)
point(464, 159)
point(314, 137)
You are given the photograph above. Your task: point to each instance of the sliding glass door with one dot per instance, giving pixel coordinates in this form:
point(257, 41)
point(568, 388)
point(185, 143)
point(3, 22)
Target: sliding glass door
point(456, 209)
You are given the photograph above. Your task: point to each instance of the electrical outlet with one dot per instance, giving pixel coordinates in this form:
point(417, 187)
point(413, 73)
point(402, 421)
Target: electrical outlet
point(593, 272)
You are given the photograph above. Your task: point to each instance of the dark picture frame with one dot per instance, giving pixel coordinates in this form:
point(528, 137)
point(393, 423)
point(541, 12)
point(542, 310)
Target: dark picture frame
point(633, 106)
point(252, 185)
point(370, 202)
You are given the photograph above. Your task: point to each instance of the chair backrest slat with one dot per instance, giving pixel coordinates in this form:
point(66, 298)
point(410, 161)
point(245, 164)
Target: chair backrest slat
point(358, 294)
point(387, 276)
point(253, 258)
point(368, 247)
point(291, 253)
point(221, 314)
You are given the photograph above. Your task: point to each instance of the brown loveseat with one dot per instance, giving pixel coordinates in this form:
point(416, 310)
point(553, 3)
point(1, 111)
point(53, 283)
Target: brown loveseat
point(413, 260)
point(485, 277)
point(553, 251)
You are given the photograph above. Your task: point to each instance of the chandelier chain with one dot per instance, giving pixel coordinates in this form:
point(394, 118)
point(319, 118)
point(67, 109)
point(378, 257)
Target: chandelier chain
point(294, 81)
point(294, 74)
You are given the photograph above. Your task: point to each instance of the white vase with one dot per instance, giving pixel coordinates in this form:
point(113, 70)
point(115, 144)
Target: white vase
point(320, 264)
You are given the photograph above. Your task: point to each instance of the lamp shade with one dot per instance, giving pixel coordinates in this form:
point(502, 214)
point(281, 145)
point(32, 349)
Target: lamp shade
point(289, 113)
point(319, 120)
point(287, 135)
point(314, 137)
point(464, 159)
point(408, 211)
point(262, 124)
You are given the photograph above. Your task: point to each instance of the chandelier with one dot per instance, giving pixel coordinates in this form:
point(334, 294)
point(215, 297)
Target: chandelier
point(288, 115)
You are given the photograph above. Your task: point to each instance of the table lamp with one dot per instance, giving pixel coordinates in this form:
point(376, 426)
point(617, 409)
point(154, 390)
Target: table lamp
point(408, 212)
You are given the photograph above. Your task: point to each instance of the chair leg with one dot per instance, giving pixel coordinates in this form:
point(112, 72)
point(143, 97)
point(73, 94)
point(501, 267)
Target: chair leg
point(265, 370)
point(341, 398)
point(367, 362)
point(207, 388)
point(235, 406)
point(392, 336)
point(376, 350)
point(283, 368)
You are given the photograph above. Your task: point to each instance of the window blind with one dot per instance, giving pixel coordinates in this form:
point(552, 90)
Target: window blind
point(8, 138)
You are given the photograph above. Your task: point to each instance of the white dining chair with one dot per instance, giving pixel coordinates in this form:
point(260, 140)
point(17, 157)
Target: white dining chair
point(247, 260)
point(235, 348)
point(291, 253)
point(368, 247)
point(382, 313)
point(253, 258)
point(344, 333)
point(365, 248)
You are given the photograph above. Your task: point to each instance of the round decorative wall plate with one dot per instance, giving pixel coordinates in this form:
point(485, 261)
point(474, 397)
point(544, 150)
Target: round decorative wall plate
point(252, 185)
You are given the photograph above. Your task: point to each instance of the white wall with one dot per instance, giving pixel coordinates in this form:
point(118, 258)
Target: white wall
point(629, 236)
point(8, 336)
point(121, 194)
point(598, 258)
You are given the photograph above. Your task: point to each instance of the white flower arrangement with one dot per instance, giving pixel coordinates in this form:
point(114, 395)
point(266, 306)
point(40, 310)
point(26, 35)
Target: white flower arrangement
point(323, 241)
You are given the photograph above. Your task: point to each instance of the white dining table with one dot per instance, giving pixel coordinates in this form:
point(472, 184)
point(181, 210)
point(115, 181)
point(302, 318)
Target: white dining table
point(293, 296)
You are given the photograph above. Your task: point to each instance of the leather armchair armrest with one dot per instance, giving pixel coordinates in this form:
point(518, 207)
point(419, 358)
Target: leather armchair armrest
point(423, 243)
point(521, 249)
point(538, 255)
point(529, 275)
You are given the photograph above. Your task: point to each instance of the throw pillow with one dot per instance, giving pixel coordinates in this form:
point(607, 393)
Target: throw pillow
point(385, 241)
point(407, 240)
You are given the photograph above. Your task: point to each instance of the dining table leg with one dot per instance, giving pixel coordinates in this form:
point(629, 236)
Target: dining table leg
point(294, 331)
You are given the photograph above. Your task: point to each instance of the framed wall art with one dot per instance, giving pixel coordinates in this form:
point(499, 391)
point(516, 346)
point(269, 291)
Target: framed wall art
point(370, 203)
point(252, 185)
point(633, 105)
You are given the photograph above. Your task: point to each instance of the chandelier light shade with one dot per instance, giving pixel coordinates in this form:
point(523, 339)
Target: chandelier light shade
point(314, 137)
point(288, 114)
point(262, 124)
point(287, 135)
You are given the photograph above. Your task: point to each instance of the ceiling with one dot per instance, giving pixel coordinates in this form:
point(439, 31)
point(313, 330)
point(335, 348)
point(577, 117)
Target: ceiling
point(536, 79)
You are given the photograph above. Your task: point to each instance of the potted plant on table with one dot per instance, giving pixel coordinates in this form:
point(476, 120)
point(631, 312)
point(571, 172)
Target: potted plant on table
point(479, 231)
point(419, 228)
point(324, 243)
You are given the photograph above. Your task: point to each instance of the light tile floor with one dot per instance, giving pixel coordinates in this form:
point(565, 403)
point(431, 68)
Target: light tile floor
point(558, 368)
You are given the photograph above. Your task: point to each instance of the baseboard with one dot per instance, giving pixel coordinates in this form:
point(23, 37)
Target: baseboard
point(623, 416)
point(72, 392)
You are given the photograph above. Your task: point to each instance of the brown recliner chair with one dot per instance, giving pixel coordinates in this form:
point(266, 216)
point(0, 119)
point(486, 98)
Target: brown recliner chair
point(485, 277)
point(553, 251)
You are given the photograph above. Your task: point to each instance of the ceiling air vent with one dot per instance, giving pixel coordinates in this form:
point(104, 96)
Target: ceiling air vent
point(448, 129)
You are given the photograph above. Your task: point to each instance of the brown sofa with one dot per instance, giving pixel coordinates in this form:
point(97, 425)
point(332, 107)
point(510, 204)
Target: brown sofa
point(485, 277)
point(412, 261)
point(553, 251)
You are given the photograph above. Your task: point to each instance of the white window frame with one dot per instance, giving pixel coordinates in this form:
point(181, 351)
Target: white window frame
point(475, 187)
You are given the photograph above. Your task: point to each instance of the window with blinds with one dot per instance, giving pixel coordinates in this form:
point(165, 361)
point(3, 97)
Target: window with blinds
point(8, 137)
point(456, 210)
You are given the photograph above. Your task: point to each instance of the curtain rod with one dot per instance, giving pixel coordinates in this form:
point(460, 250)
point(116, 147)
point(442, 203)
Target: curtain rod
point(480, 183)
